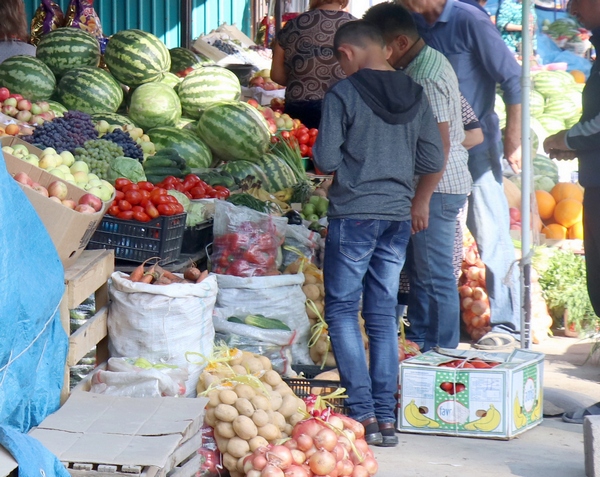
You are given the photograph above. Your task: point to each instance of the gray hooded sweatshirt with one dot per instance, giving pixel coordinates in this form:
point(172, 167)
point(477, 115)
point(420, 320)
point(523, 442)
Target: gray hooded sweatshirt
point(377, 132)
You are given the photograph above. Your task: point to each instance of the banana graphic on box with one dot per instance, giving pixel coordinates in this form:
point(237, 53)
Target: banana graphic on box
point(416, 419)
point(519, 418)
point(487, 423)
point(536, 412)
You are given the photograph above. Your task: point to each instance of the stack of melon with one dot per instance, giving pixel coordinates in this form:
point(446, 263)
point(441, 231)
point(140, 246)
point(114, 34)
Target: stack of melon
point(561, 211)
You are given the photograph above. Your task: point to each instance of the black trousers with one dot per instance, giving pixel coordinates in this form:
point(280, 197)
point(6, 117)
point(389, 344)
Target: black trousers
point(591, 243)
point(309, 112)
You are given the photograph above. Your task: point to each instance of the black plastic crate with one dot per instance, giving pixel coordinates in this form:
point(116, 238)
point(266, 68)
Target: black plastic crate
point(197, 238)
point(138, 241)
point(303, 387)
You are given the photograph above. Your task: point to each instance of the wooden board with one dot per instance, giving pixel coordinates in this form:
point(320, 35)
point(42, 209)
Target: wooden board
point(91, 271)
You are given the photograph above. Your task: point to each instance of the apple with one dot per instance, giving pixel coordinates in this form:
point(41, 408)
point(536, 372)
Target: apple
point(24, 105)
point(79, 166)
point(32, 159)
point(40, 188)
point(91, 200)
point(44, 105)
point(272, 126)
point(36, 120)
point(48, 162)
point(64, 168)
point(23, 178)
point(24, 116)
point(55, 199)
point(57, 172)
point(20, 150)
point(4, 94)
point(11, 102)
point(49, 150)
point(102, 126)
point(101, 191)
point(515, 214)
point(11, 111)
point(92, 176)
point(85, 208)
point(58, 189)
point(148, 147)
point(47, 116)
point(268, 113)
point(70, 177)
point(92, 183)
point(16, 96)
point(81, 177)
point(36, 109)
point(109, 185)
point(70, 203)
point(280, 123)
point(8, 150)
point(114, 127)
point(68, 159)
point(253, 102)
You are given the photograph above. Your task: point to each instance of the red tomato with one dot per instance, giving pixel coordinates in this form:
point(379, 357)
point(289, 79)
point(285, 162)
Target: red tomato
point(138, 208)
point(178, 208)
point(114, 210)
point(145, 202)
point(152, 211)
point(145, 194)
point(157, 192)
point(312, 140)
point(313, 132)
point(119, 194)
point(125, 215)
point(172, 200)
point(285, 134)
point(222, 191)
point(197, 193)
point(121, 182)
point(166, 209)
point(180, 187)
point(170, 180)
point(188, 195)
point(301, 130)
point(141, 216)
point(124, 206)
point(161, 199)
point(130, 187)
point(134, 197)
point(303, 138)
point(303, 150)
point(145, 185)
point(192, 177)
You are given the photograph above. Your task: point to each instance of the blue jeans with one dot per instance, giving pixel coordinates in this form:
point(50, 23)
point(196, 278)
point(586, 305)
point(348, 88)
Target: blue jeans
point(365, 257)
point(433, 302)
point(489, 222)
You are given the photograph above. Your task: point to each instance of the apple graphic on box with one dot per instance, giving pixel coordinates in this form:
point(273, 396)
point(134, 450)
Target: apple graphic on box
point(91, 200)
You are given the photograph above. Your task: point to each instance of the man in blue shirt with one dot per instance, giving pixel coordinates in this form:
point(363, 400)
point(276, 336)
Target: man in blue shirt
point(481, 60)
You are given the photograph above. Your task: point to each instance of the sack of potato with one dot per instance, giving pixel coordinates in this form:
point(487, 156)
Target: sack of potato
point(249, 405)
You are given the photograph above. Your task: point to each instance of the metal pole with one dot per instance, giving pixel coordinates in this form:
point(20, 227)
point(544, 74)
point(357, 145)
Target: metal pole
point(186, 23)
point(526, 179)
point(277, 15)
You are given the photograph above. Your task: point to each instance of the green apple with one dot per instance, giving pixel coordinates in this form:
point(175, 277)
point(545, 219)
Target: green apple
point(148, 147)
point(8, 150)
point(49, 150)
point(91, 177)
point(32, 159)
point(92, 183)
point(20, 150)
point(64, 168)
point(57, 172)
point(109, 185)
point(69, 177)
point(67, 158)
point(79, 166)
point(48, 162)
point(101, 191)
point(81, 177)
point(58, 159)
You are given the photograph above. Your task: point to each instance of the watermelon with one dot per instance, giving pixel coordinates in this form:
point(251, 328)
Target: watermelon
point(543, 183)
point(544, 166)
point(136, 57)
point(27, 76)
point(67, 48)
point(57, 108)
point(234, 130)
point(551, 83)
point(186, 143)
point(536, 104)
point(187, 123)
point(154, 104)
point(182, 59)
point(562, 107)
point(572, 121)
point(89, 89)
point(552, 124)
point(279, 175)
point(170, 80)
point(206, 86)
point(112, 118)
point(239, 170)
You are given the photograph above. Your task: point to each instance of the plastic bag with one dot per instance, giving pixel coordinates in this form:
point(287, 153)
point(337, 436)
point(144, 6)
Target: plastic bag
point(300, 239)
point(81, 14)
point(47, 17)
point(245, 241)
point(137, 377)
point(211, 460)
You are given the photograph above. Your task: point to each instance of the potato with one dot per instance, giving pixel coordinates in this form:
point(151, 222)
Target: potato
point(311, 313)
point(330, 360)
point(267, 387)
point(296, 418)
point(221, 443)
point(320, 306)
point(239, 369)
point(238, 447)
point(272, 378)
point(253, 365)
point(315, 355)
point(289, 405)
point(279, 421)
point(225, 412)
point(266, 363)
point(292, 268)
point(227, 396)
point(244, 427)
point(244, 407)
point(213, 398)
point(321, 288)
point(269, 431)
point(310, 279)
point(229, 461)
point(260, 402)
point(311, 291)
point(283, 389)
point(257, 442)
point(246, 355)
point(237, 359)
point(209, 417)
point(276, 400)
point(260, 417)
point(240, 465)
point(245, 391)
point(225, 429)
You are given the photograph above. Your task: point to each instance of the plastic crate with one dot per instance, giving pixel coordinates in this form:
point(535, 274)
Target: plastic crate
point(138, 241)
point(197, 238)
point(303, 387)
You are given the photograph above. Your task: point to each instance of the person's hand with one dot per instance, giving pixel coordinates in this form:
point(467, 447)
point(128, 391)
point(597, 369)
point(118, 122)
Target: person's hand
point(562, 155)
point(512, 152)
point(420, 214)
point(556, 141)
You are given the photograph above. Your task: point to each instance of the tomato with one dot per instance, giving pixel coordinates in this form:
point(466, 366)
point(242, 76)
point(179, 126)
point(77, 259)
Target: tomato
point(145, 202)
point(161, 199)
point(188, 195)
point(130, 187)
point(312, 140)
point(141, 216)
point(145, 194)
point(145, 185)
point(480, 364)
point(221, 192)
point(152, 211)
point(125, 215)
point(157, 192)
point(313, 132)
point(166, 209)
point(119, 194)
point(303, 138)
point(197, 192)
point(138, 208)
point(114, 210)
point(180, 187)
point(309, 153)
point(124, 205)
point(178, 208)
point(122, 182)
point(170, 180)
point(285, 134)
point(192, 178)
point(134, 197)
point(172, 200)
point(303, 150)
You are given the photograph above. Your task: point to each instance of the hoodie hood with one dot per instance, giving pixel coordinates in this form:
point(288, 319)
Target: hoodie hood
point(391, 95)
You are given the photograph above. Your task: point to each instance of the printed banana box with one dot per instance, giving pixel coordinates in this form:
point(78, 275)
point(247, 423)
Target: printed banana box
point(471, 393)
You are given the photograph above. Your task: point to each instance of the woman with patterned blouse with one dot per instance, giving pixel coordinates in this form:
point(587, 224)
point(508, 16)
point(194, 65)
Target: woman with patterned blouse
point(509, 22)
point(303, 59)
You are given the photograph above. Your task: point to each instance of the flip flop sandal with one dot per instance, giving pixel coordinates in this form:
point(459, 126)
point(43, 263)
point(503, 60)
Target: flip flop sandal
point(496, 341)
point(578, 416)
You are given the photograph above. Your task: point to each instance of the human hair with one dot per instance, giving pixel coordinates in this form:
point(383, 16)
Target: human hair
point(14, 22)
point(358, 33)
point(392, 20)
point(314, 4)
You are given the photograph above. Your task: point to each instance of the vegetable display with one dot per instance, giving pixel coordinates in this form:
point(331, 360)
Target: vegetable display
point(156, 275)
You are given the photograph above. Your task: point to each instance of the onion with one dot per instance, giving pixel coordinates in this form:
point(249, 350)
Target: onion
point(473, 283)
point(259, 462)
point(479, 294)
point(298, 457)
point(253, 473)
point(272, 471)
point(360, 471)
point(470, 257)
point(340, 452)
point(348, 467)
point(350, 435)
point(345, 443)
point(371, 465)
point(304, 442)
point(467, 302)
point(310, 452)
point(465, 291)
point(478, 307)
point(473, 273)
point(479, 263)
point(296, 471)
point(279, 456)
point(310, 427)
point(322, 462)
point(336, 422)
point(326, 439)
point(356, 427)
point(362, 446)
point(291, 444)
point(482, 273)
point(249, 463)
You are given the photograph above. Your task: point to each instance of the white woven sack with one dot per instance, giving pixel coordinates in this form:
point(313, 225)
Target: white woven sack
point(279, 296)
point(162, 323)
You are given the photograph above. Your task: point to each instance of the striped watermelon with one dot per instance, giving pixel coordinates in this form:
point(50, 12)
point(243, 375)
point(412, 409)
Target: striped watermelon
point(536, 104)
point(572, 121)
point(112, 118)
point(182, 58)
point(551, 83)
point(234, 130)
point(544, 166)
point(551, 124)
point(562, 107)
point(89, 89)
point(206, 86)
point(279, 174)
point(239, 170)
point(195, 152)
point(67, 48)
point(27, 76)
point(187, 123)
point(170, 80)
point(136, 57)
point(57, 108)
point(154, 104)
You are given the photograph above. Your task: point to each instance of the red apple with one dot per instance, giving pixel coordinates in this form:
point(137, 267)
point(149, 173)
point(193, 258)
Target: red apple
point(44, 105)
point(24, 105)
point(258, 81)
point(71, 204)
point(85, 209)
point(55, 199)
point(58, 189)
point(268, 113)
point(4, 93)
point(47, 116)
point(24, 116)
point(10, 110)
point(24, 179)
point(91, 200)
point(37, 120)
point(253, 102)
point(18, 97)
point(515, 214)
point(40, 188)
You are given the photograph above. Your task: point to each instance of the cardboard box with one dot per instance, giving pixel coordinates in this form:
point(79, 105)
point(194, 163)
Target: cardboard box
point(7, 463)
point(495, 403)
point(69, 230)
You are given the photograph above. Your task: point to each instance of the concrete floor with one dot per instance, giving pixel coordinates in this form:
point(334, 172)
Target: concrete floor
point(552, 449)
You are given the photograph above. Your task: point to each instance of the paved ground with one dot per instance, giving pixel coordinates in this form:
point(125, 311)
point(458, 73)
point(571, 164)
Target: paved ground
point(553, 449)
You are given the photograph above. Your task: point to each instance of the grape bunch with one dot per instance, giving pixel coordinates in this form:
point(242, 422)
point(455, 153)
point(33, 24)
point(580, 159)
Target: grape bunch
point(97, 155)
point(123, 139)
point(225, 47)
point(64, 134)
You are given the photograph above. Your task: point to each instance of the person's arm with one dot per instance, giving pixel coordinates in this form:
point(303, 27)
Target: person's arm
point(327, 152)
point(471, 125)
point(278, 73)
point(512, 137)
point(473, 137)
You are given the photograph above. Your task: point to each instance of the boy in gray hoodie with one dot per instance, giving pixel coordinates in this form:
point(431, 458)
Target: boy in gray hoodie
point(377, 132)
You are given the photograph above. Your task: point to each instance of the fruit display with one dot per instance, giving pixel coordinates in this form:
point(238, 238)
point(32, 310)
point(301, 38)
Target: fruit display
point(142, 202)
point(112, 118)
point(89, 89)
point(126, 139)
point(24, 113)
point(64, 134)
point(315, 208)
point(279, 175)
point(97, 154)
point(189, 146)
point(561, 211)
point(153, 105)
point(28, 77)
point(262, 79)
point(170, 80)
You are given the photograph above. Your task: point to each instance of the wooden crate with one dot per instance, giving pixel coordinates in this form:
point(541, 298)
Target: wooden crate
point(88, 275)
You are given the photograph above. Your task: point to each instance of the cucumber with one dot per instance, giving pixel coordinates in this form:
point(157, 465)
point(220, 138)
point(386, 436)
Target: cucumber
point(154, 161)
point(265, 323)
point(163, 171)
point(167, 152)
point(235, 319)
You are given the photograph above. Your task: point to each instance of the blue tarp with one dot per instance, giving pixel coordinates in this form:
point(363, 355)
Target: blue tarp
point(33, 344)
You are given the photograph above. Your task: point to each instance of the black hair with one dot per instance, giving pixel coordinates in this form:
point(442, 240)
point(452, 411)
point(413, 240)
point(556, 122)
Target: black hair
point(358, 33)
point(392, 20)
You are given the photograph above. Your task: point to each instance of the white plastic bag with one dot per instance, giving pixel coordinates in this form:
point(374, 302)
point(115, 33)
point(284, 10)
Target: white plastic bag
point(298, 238)
point(162, 323)
point(278, 297)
